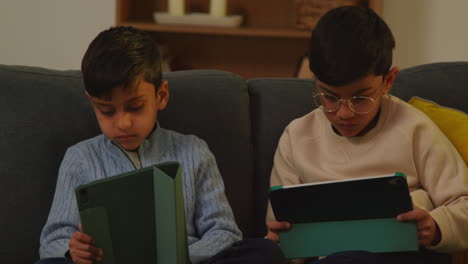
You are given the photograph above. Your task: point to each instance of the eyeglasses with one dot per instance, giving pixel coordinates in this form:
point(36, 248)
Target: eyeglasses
point(330, 103)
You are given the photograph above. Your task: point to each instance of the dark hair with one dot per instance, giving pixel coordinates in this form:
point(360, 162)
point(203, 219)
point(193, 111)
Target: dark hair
point(348, 43)
point(117, 57)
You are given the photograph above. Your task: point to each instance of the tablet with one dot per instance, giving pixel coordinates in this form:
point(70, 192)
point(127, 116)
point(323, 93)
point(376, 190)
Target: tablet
point(137, 217)
point(363, 198)
point(354, 214)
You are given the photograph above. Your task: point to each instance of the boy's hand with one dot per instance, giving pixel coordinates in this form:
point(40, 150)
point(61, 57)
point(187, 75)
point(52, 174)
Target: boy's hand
point(428, 230)
point(274, 228)
point(82, 250)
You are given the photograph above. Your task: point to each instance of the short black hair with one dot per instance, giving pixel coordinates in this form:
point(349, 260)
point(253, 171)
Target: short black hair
point(117, 57)
point(349, 43)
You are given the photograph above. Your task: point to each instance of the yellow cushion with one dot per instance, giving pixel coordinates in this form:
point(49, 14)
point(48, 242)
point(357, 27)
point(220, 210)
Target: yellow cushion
point(453, 123)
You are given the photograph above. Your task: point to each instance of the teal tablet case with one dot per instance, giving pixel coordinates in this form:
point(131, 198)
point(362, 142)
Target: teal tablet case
point(345, 215)
point(137, 217)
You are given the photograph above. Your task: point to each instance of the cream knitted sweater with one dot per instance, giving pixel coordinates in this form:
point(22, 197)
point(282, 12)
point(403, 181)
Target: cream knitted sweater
point(403, 140)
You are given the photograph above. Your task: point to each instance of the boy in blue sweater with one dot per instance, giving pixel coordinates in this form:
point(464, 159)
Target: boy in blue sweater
point(123, 80)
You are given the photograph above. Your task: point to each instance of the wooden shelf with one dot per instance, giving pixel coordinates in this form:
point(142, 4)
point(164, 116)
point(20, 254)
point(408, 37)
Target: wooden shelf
point(267, 44)
point(207, 30)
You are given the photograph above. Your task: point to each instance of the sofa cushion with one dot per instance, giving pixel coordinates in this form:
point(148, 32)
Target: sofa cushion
point(274, 103)
point(445, 83)
point(42, 113)
point(214, 105)
point(453, 123)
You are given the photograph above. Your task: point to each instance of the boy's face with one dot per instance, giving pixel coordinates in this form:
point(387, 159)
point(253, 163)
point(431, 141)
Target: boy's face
point(130, 115)
point(348, 123)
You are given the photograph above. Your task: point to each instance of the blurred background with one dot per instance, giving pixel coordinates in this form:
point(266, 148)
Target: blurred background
point(55, 33)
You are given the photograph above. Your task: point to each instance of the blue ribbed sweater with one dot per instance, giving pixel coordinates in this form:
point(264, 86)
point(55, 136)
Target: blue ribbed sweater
point(210, 221)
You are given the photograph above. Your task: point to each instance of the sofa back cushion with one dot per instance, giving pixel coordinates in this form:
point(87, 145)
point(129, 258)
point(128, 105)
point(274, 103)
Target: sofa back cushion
point(42, 113)
point(274, 104)
point(445, 83)
point(214, 105)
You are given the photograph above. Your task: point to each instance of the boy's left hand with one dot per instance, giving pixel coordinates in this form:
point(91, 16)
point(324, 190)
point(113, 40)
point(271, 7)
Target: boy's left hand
point(428, 230)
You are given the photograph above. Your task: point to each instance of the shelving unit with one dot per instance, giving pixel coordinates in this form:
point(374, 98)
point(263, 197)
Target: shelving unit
point(206, 30)
point(268, 44)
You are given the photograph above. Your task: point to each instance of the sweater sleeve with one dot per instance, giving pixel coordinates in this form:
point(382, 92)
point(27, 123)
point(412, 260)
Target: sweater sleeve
point(284, 172)
point(444, 176)
point(214, 219)
point(63, 217)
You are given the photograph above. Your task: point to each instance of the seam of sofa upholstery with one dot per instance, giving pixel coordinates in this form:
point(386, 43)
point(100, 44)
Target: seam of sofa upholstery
point(206, 72)
point(436, 67)
point(67, 73)
point(253, 83)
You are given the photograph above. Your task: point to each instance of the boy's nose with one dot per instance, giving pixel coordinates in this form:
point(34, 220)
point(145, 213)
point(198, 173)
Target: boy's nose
point(124, 121)
point(344, 112)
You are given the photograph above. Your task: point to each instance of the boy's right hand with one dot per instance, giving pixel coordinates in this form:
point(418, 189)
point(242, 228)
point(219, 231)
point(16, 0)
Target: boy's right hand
point(82, 249)
point(274, 228)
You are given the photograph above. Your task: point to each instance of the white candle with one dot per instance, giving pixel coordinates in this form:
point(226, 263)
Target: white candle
point(218, 8)
point(176, 7)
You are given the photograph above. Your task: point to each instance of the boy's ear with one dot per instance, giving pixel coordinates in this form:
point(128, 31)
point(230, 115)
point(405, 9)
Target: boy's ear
point(162, 95)
point(389, 78)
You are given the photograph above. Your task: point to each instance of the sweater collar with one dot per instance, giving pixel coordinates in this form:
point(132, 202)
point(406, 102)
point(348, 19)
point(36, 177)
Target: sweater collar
point(151, 151)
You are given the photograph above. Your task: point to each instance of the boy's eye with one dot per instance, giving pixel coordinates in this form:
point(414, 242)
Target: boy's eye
point(330, 98)
point(359, 99)
point(107, 113)
point(134, 108)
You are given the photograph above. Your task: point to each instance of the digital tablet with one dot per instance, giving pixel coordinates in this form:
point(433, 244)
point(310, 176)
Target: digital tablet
point(354, 214)
point(362, 198)
point(137, 217)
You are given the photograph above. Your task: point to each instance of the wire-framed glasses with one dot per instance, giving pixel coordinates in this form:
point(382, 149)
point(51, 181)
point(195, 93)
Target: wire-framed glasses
point(330, 103)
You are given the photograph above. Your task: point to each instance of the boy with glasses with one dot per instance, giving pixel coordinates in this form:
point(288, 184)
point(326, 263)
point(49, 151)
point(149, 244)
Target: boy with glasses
point(360, 130)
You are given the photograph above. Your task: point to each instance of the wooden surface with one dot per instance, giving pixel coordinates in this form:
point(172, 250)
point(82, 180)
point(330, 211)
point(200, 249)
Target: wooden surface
point(261, 57)
point(207, 30)
point(268, 44)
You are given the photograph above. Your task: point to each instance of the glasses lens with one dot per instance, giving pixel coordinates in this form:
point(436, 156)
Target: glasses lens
point(361, 104)
point(327, 102)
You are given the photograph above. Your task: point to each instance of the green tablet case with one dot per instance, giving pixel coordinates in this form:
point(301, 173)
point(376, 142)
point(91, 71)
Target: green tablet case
point(358, 214)
point(137, 217)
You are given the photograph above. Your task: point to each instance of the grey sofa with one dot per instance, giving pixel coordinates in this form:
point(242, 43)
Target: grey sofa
point(42, 112)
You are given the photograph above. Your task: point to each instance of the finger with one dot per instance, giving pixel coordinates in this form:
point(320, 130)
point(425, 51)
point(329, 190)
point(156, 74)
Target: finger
point(425, 238)
point(273, 236)
point(423, 235)
point(424, 242)
point(87, 255)
point(83, 238)
point(413, 215)
point(83, 254)
point(423, 226)
point(80, 227)
point(77, 245)
point(421, 229)
point(278, 226)
point(88, 248)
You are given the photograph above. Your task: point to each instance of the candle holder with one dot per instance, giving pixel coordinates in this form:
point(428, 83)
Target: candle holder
point(176, 7)
point(216, 17)
point(218, 8)
point(199, 19)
